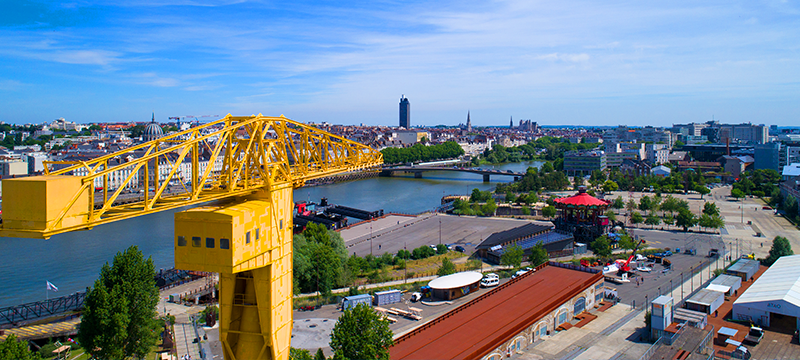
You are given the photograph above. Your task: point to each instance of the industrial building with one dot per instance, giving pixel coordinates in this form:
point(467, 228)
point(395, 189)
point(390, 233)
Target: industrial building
point(706, 301)
point(557, 243)
point(774, 298)
point(507, 319)
point(456, 285)
point(726, 283)
point(744, 268)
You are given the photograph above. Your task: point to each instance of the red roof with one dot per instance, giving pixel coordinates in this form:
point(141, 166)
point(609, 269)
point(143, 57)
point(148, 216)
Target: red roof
point(474, 329)
point(582, 199)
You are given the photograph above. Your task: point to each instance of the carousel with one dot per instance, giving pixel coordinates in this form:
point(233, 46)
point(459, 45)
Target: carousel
point(582, 215)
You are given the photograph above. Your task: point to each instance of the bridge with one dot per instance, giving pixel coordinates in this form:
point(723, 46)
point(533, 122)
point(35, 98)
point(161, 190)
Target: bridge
point(418, 170)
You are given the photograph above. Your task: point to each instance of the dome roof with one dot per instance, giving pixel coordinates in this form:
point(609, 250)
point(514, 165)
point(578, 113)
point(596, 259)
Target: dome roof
point(582, 199)
point(152, 131)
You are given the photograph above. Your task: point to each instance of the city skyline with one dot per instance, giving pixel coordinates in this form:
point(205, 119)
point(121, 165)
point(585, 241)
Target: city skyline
point(553, 63)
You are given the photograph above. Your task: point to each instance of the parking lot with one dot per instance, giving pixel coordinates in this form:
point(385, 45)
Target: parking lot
point(645, 286)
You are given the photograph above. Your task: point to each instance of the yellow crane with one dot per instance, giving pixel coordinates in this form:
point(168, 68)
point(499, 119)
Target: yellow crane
point(242, 171)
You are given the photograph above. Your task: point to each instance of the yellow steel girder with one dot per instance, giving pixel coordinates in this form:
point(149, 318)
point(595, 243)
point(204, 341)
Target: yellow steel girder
point(251, 153)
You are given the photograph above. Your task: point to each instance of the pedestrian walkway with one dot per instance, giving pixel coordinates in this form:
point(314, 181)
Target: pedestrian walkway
point(184, 337)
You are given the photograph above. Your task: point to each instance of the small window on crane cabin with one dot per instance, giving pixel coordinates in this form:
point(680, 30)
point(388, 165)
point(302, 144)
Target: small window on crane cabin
point(247, 237)
point(181, 241)
point(195, 241)
point(210, 243)
point(281, 224)
point(258, 233)
point(224, 244)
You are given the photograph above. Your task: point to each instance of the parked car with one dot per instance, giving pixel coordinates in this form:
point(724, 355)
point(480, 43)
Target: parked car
point(460, 248)
point(754, 336)
point(490, 281)
point(521, 272)
point(417, 296)
point(766, 208)
point(644, 269)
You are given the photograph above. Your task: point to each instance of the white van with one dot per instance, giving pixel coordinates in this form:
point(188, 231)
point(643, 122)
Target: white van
point(490, 281)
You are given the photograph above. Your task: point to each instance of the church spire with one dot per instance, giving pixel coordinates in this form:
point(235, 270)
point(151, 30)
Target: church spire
point(154, 117)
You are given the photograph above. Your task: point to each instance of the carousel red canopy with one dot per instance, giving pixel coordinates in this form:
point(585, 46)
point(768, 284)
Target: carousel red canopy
point(582, 199)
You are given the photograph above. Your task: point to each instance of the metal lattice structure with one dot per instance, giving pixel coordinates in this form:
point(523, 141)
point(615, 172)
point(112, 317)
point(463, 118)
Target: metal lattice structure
point(256, 152)
point(41, 309)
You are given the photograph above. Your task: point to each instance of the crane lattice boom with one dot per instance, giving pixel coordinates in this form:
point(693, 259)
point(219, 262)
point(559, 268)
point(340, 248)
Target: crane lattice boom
point(240, 155)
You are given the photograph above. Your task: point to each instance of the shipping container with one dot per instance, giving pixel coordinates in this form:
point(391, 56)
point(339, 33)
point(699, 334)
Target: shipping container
point(388, 297)
point(352, 301)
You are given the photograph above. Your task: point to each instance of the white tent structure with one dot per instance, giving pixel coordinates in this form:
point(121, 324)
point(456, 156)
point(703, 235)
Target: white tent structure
point(774, 298)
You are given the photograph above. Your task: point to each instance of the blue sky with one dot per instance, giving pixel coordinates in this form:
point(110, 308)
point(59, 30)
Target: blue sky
point(555, 62)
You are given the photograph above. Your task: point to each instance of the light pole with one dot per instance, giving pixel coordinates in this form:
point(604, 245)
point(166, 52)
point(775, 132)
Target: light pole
point(440, 230)
point(370, 239)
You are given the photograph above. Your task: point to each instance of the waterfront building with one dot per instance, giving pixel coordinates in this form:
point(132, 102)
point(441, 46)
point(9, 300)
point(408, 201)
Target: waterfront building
point(584, 162)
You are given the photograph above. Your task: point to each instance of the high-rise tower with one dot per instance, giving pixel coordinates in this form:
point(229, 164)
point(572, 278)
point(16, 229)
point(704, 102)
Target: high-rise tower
point(511, 122)
point(405, 112)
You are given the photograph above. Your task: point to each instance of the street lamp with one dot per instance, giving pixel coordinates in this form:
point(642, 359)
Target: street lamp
point(440, 230)
point(370, 238)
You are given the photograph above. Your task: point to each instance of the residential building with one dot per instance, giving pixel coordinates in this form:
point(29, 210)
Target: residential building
point(661, 171)
point(746, 133)
point(410, 136)
point(584, 162)
point(13, 167)
point(657, 154)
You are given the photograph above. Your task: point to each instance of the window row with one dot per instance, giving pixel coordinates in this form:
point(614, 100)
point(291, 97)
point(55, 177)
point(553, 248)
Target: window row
point(210, 242)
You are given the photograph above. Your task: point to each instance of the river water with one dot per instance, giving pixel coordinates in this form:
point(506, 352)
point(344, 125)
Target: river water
point(72, 261)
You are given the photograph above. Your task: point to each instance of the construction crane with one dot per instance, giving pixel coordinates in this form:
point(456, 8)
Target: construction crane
point(625, 267)
point(243, 230)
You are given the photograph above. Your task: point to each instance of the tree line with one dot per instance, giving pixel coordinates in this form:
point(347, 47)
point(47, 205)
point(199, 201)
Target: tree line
point(420, 152)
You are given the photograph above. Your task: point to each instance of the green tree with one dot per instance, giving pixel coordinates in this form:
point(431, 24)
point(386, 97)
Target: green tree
point(652, 220)
point(119, 316)
point(710, 209)
point(547, 167)
point(702, 190)
point(601, 246)
point(441, 249)
point(447, 268)
point(668, 219)
point(737, 193)
point(538, 255)
point(636, 218)
point(685, 219)
point(611, 216)
point(630, 206)
point(13, 349)
point(618, 203)
point(780, 247)
point(548, 211)
point(609, 186)
point(299, 354)
point(645, 204)
point(510, 197)
point(319, 355)
point(326, 268)
point(360, 333)
point(512, 256)
point(489, 208)
point(626, 243)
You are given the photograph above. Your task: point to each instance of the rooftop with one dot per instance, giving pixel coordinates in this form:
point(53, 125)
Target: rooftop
point(479, 326)
point(705, 297)
point(780, 282)
point(503, 237)
point(456, 280)
point(581, 199)
point(745, 265)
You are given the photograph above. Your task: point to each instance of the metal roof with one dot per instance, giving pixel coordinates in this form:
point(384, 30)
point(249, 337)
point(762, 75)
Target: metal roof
point(456, 280)
point(720, 288)
point(504, 237)
point(705, 297)
point(727, 280)
point(745, 266)
point(689, 315)
point(780, 282)
point(476, 328)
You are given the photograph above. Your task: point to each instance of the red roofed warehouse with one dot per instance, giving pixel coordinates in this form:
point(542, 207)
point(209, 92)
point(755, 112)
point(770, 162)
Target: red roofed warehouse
point(507, 319)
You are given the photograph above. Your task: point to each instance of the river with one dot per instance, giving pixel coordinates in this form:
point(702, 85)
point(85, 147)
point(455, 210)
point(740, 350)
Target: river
point(72, 261)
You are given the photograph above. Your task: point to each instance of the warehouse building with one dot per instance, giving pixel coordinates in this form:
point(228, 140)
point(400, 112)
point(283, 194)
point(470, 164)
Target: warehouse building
point(744, 268)
point(726, 283)
point(774, 298)
point(706, 301)
point(507, 319)
point(557, 243)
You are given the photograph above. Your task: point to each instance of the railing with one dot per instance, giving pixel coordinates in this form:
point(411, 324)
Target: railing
point(39, 309)
point(199, 340)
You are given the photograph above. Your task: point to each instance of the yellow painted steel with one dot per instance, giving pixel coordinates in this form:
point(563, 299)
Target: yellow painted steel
point(250, 244)
point(255, 152)
point(246, 236)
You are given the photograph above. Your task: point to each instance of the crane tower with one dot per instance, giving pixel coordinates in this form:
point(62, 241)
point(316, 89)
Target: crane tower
point(240, 220)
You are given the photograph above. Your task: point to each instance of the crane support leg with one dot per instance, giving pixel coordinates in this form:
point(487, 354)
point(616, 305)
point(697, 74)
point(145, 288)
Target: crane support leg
point(249, 243)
